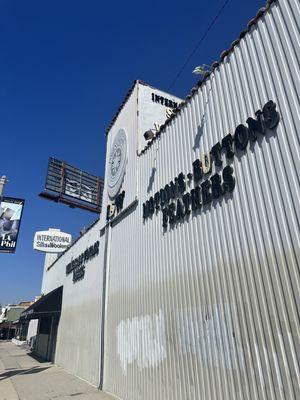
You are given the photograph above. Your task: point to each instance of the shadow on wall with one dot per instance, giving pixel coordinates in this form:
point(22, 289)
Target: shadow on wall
point(199, 134)
point(151, 180)
point(31, 342)
point(201, 126)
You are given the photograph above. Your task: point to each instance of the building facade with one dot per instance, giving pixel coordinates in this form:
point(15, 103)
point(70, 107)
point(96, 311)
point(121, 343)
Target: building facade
point(187, 287)
point(9, 318)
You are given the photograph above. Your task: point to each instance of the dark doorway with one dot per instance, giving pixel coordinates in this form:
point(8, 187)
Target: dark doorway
point(47, 309)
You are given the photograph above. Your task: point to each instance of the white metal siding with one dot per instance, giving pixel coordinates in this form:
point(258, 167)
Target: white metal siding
point(210, 308)
point(78, 337)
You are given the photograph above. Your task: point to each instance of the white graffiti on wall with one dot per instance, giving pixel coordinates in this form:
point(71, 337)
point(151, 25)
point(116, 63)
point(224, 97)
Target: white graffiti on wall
point(142, 339)
point(209, 335)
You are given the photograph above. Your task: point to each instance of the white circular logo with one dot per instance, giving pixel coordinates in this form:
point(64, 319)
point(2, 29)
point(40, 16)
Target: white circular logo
point(117, 163)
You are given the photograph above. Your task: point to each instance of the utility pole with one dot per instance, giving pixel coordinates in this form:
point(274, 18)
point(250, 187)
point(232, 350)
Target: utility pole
point(3, 181)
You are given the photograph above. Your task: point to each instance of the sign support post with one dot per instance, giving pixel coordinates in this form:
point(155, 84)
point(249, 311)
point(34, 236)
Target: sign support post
point(3, 181)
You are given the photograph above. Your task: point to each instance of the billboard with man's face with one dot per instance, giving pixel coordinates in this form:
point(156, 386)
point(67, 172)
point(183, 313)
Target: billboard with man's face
point(10, 217)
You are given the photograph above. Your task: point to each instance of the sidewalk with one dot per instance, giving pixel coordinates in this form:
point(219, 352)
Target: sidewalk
point(24, 378)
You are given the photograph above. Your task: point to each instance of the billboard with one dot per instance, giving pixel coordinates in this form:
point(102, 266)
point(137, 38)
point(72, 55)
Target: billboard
point(51, 241)
point(10, 218)
point(72, 186)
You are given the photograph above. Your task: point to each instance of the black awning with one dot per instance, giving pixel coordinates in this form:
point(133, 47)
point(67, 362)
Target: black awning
point(48, 304)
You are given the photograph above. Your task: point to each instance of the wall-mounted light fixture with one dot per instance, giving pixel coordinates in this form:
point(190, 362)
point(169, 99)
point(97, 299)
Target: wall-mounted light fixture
point(148, 135)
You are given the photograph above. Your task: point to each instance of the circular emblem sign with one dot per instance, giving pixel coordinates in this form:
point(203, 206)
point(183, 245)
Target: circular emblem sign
point(117, 163)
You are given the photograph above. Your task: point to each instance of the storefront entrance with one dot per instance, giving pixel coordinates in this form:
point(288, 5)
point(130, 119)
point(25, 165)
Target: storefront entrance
point(47, 309)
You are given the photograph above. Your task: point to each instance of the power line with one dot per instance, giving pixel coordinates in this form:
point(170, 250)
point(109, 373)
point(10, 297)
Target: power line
point(198, 44)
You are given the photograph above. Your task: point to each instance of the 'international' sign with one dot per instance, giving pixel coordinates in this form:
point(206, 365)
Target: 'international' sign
point(52, 241)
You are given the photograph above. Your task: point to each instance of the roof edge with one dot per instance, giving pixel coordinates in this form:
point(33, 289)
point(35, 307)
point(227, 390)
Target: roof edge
point(128, 94)
point(260, 13)
point(71, 245)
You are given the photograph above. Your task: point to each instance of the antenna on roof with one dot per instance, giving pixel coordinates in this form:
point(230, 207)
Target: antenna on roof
point(198, 44)
point(202, 69)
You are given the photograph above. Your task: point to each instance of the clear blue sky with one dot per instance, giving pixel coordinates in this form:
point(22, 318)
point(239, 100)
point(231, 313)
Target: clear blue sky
point(65, 66)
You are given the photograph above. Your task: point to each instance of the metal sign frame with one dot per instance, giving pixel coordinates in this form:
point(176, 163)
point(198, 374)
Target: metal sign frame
point(72, 186)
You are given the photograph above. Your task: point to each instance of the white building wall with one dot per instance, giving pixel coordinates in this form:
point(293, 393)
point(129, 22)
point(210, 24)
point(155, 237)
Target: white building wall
point(78, 338)
point(49, 260)
point(209, 309)
point(151, 112)
point(127, 120)
point(78, 347)
point(138, 114)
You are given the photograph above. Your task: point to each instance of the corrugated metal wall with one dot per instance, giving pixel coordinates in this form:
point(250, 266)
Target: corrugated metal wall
point(210, 308)
point(78, 338)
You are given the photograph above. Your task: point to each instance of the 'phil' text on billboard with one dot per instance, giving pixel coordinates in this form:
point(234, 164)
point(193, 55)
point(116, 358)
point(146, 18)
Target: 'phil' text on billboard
point(10, 218)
